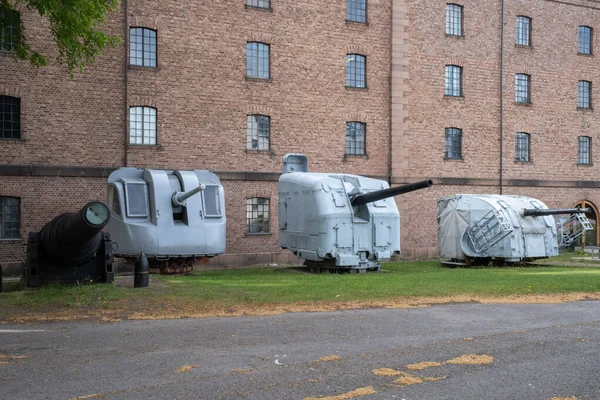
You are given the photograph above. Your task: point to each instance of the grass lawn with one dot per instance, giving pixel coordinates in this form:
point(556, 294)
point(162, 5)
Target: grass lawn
point(256, 291)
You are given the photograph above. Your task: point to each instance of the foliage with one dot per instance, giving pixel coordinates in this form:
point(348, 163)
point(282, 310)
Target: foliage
point(73, 24)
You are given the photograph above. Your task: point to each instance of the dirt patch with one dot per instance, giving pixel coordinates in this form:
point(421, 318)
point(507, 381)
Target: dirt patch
point(160, 310)
point(387, 372)
point(350, 395)
point(423, 365)
point(408, 380)
point(328, 358)
point(186, 368)
point(471, 359)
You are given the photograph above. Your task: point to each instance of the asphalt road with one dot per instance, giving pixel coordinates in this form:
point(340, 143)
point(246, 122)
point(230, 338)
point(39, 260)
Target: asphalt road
point(539, 352)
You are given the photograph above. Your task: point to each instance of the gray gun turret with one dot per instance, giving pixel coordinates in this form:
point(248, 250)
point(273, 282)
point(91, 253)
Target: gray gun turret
point(71, 248)
point(179, 198)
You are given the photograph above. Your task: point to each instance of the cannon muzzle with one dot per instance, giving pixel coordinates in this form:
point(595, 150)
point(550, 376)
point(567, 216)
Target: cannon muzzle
point(390, 192)
point(179, 198)
point(536, 212)
point(73, 238)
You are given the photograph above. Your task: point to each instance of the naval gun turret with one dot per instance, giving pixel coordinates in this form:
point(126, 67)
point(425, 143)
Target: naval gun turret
point(338, 221)
point(176, 218)
point(71, 249)
point(477, 228)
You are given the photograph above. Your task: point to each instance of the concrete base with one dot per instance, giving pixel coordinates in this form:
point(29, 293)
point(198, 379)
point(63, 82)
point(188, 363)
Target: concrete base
point(252, 259)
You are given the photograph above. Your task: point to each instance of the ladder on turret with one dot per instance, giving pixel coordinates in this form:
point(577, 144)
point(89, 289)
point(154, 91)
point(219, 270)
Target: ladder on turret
point(489, 230)
point(571, 228)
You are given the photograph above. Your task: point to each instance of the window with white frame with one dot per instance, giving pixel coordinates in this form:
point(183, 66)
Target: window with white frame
point(453, 81)
point(584, 150)
point(453, 144)
point(142, 125)
point(258, 131)
point(355, 138)
point(356, 10)
point(142, 47)
point(522, 88)
point(257, 215)
point(585, 40)
point(522, 147)
point(257, 60)
point(10, 217)
point(584, 94)
point(454, 17)
point(523, 31)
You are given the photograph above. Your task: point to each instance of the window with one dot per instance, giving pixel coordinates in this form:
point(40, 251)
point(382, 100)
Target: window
point(453, 85)
point(522, 88)
point(10, 117)
point(142, 125)
point(454, 19)
point(585, 40)
point(258, 128)
point(142, 47)
point(10, 217)
point(523, 31)
point(584, 151)
point(259, 3)
point(584, 94)
point(356, 11)
point(257, 60)
point(212, 201)
point(136, 198)
point(522, 147)
point(356, 71)
point(257, 215)
point(355, 138)
point(11, 32)
point(453, 144)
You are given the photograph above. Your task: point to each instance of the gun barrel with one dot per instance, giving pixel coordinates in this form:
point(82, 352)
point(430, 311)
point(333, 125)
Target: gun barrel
point(179, 198)
point(72, 238)
point(390, 192)
point(536, 212)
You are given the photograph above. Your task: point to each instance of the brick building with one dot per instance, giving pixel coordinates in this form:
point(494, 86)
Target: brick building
point(482, 97)
point(228, 86)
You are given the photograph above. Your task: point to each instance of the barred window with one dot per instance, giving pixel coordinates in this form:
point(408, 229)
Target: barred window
point(584, 152)
point(258, 129)
point(453, 144)
point(523, 31)
point(356, 10)
point(522, 147)
point(454, 15)
point(142, 125)
point(522, 88)
point(585, 40)
point(355, 138)
point(259, 3)
point(10, 217)
point(257, 215)
point(10, 117)
point(453, 83)
point(11, 32)
point(257, 60)
point(584, 94)
point(142, 47)
point(356, 71)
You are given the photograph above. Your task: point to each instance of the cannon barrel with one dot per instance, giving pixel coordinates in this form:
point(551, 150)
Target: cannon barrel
point(536, 212)
point(179, 198)
point(73, 238)
point(390, 192)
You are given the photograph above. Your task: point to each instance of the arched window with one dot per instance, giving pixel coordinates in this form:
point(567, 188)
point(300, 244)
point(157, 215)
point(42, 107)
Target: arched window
point(257, 60)
point(453, 144)
point(142, 47)
point(356, 11)
point(10, 217)
point(523, 31)
point(257, 215)
point(585, 40)
point(142, 125)
point(453, 81)
point(522, 147)
point(356, 71)
point(454, 16)
point(356, 133)
point(258, 131)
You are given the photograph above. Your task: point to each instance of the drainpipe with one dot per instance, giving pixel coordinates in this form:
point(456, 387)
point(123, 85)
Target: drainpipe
point(390, 81)
point(126, 22)
point(501, 93)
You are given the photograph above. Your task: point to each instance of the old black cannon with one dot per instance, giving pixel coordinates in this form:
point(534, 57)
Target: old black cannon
point(71, 249)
